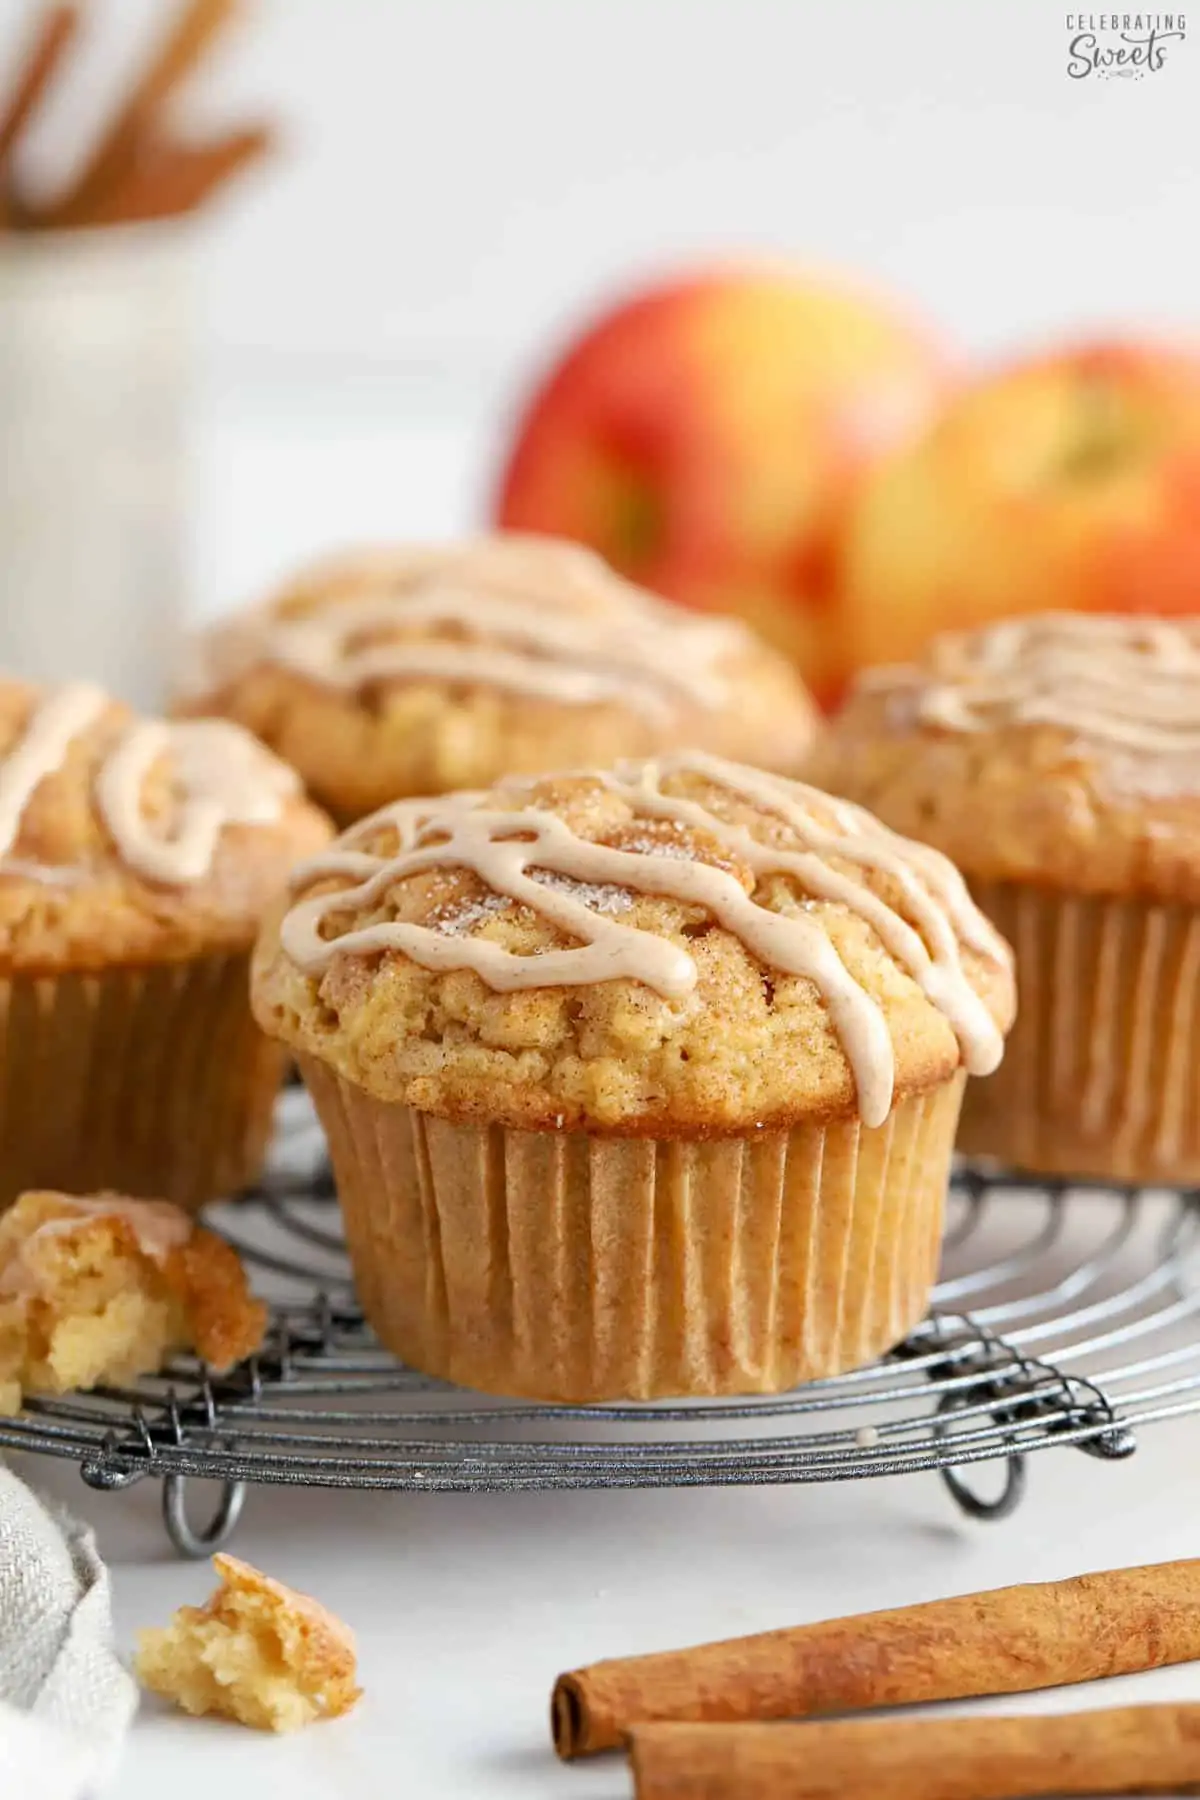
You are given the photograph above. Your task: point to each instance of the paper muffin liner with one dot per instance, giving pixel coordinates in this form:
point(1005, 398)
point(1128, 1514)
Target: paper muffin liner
point(568, 1267)
point(1101, 1075)
point(153, 1082)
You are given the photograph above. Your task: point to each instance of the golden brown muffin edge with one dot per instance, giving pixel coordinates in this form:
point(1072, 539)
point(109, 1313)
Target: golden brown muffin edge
point(1028, 802)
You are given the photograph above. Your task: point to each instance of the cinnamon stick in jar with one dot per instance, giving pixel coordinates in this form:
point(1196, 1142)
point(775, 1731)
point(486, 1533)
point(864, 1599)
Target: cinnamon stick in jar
point(1006, 1641)
point(53, 34)
point(174, 178)
point(1121, 1750)
point(188, 37)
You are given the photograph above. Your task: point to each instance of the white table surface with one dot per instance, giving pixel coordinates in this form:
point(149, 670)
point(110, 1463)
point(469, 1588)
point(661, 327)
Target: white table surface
point(467, 1606)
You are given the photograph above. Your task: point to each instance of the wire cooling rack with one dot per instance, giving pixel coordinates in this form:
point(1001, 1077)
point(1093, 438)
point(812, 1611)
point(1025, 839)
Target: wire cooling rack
point(1066, 1315)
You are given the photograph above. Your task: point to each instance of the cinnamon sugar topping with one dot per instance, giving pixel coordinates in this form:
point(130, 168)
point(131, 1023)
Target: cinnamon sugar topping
point(514, 850)
point(1129, 683)
point(537, 617)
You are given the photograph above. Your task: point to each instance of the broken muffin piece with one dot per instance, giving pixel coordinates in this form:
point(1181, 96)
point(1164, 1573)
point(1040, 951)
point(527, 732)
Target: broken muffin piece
point(103, 1289)
point(257, 1652)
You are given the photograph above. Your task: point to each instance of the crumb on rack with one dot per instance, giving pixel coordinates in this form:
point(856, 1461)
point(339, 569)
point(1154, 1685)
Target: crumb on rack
point(256, 1651)
point(105, 1289)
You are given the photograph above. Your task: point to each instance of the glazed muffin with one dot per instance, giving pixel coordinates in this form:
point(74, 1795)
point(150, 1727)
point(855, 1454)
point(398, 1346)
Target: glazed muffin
point(1057, 761)
point(416, 671)
point(136, 861)
point(640, 1082)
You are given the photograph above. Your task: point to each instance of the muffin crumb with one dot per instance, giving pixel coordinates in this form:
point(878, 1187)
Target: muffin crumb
point(104, 1289)
point(256, 1652)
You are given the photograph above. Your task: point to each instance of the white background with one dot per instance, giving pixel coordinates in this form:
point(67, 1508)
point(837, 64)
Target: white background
point(459, 176)
point(461, 180)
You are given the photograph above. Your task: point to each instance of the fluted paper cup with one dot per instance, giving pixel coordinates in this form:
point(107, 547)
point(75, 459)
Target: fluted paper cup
point(568, 1267)
point(1101, 1076)
point(153, 1082)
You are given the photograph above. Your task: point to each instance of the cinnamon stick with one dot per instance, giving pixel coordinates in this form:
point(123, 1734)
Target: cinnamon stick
point(118, 149)
point(1121, 1750)
point(54, 31)
point(171, 178)
point(1007, 1641)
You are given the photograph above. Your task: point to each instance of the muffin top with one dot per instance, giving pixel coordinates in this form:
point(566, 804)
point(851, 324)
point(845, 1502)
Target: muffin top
point(416, 671)
point(130, 840)
point(1061, 749)
point(673, 947)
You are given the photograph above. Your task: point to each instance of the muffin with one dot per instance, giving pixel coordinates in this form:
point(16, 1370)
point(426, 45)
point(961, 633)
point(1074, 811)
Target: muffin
point(640, 1082)
point(136, 861)
point(1057, 761)
point(416, 671)
point(104, 1289)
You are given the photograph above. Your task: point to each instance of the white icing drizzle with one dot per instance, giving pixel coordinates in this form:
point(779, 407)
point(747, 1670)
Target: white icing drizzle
point(219, 775)
point(224, 777)
point(20, 868)
point(511, 850)
point(158, 1227)
point(533, 616)
point(1131, 683)
point(41, 751)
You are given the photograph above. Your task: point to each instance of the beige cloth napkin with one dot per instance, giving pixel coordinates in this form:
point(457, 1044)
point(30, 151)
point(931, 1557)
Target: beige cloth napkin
point(65, 1699)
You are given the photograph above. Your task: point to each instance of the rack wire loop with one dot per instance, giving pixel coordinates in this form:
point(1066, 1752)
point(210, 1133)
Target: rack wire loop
point(200, 1540)
point(976, 1506)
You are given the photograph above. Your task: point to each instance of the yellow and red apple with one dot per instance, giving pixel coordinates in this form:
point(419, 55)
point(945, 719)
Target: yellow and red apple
point(1068, 481)
point(706, 437)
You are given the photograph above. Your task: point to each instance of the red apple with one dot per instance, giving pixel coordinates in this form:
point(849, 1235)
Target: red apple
point(705, 438)
point(1068, 481)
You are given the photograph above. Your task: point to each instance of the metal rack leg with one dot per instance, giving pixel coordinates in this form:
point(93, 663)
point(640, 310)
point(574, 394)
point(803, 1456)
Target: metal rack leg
point(1006, 1502)
point(1015, 1469)
point(201, 1540)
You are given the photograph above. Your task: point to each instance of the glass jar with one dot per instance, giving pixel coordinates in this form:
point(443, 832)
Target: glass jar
point(94, 378)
